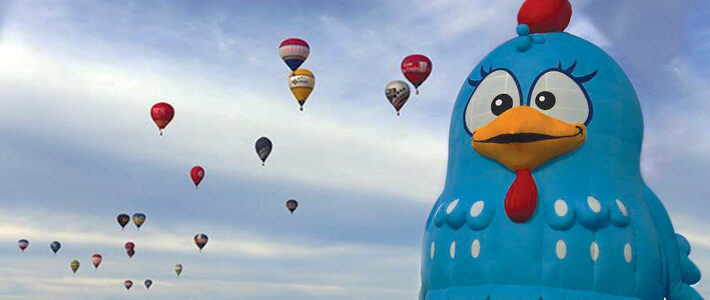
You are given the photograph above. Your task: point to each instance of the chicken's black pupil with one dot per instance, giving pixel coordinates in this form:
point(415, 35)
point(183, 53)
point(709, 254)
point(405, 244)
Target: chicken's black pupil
point(501, 103)
point(545, 100)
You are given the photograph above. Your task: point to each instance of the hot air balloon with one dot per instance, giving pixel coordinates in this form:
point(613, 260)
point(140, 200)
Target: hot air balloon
point(74, 265)
point(128, 284)
point(416, 68)
point(130, 246)
point(294, 52)
point(178, 269)
point(301, 83)
point(148, 283)
point(55, 246)
point(201, 240)
point(123, 219)
point(138, 219)
point(96, 260)
point(162, 113)
point(263, 148)
point(197, 173)
point(291, 205)
point(23, 244)
point(397, 93)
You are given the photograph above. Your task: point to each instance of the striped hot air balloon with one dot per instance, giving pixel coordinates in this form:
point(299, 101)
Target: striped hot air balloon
point(294, 52)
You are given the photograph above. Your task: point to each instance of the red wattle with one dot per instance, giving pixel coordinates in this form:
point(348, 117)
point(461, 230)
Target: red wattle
point(521, 199)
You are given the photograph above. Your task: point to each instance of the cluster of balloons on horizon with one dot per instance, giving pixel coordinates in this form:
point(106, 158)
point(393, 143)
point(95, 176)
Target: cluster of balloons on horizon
point(416, 68)
point(128, 284)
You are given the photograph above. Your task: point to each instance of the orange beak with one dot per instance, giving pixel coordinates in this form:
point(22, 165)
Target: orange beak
point(523, 138)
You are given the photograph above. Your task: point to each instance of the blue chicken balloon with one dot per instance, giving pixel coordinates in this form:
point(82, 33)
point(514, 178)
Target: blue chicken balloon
point(544, 197)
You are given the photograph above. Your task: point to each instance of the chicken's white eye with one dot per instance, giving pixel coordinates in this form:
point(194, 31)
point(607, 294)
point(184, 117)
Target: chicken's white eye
point(557, 95)
point(494, 94)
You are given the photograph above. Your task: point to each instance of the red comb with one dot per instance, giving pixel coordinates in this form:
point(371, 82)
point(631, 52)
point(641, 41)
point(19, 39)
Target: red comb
point(545, 15)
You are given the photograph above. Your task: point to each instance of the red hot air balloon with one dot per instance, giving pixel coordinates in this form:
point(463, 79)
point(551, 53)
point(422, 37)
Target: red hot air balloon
point(130, 249)
point(127, 284)
point(197, 174)
point(416, 68)
point(96, 260)
point(162, 113)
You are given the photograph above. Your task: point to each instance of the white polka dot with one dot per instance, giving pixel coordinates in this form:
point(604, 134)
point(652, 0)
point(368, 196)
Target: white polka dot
point(431, 250)
point(622, 207)
point(475, 248)
point(452, 206)
point(594, 204)
point(594, 251)
point(477, 208)
point(561, 249)
point(452, 249)
point(627, 252)
point(561, 207)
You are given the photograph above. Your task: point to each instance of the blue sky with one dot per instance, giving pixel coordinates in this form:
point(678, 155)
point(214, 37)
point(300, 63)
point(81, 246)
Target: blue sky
point(78, 147)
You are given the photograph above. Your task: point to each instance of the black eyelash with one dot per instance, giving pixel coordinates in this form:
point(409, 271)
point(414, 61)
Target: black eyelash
point(484, 73)
point(578, 79)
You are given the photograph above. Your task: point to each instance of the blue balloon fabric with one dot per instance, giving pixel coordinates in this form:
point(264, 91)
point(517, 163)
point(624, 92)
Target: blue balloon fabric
point(597, 232)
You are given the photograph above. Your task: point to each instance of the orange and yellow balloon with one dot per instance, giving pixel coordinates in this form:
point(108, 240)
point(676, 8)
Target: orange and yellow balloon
point(301, 83)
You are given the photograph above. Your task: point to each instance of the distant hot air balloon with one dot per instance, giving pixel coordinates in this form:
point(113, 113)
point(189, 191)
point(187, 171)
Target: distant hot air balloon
point(127, 284)
point(162, 113)
point(130, 249)
point(294, 52)
point(201, 240)
point(263, 148)
point(138, 219)
point(197, 173)
point(123, 219)
point(55, 246)
point(148, 283)
point(23, 244)
point(301, 83)
point(416, 68)
point(178, 269)
point(74, 265)
point(291, 205)
point(96, 260)
point(397, 93)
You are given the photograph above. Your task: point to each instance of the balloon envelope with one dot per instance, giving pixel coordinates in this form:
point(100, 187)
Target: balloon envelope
point(291, 205)
point(162, 113)
point(148, 283)
point(178, 269)
point(397, 93)
point(201, 240)
point(301, 83)
point(74, 265)
point(23, 244)
point(263, 148)
point(96, 260)
point(197, 173)
point(127, 284)
point(123, 219)
point(55, 246)
point(416, 68)
point(138, 219)
point(294, 52)
point(130, 249)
